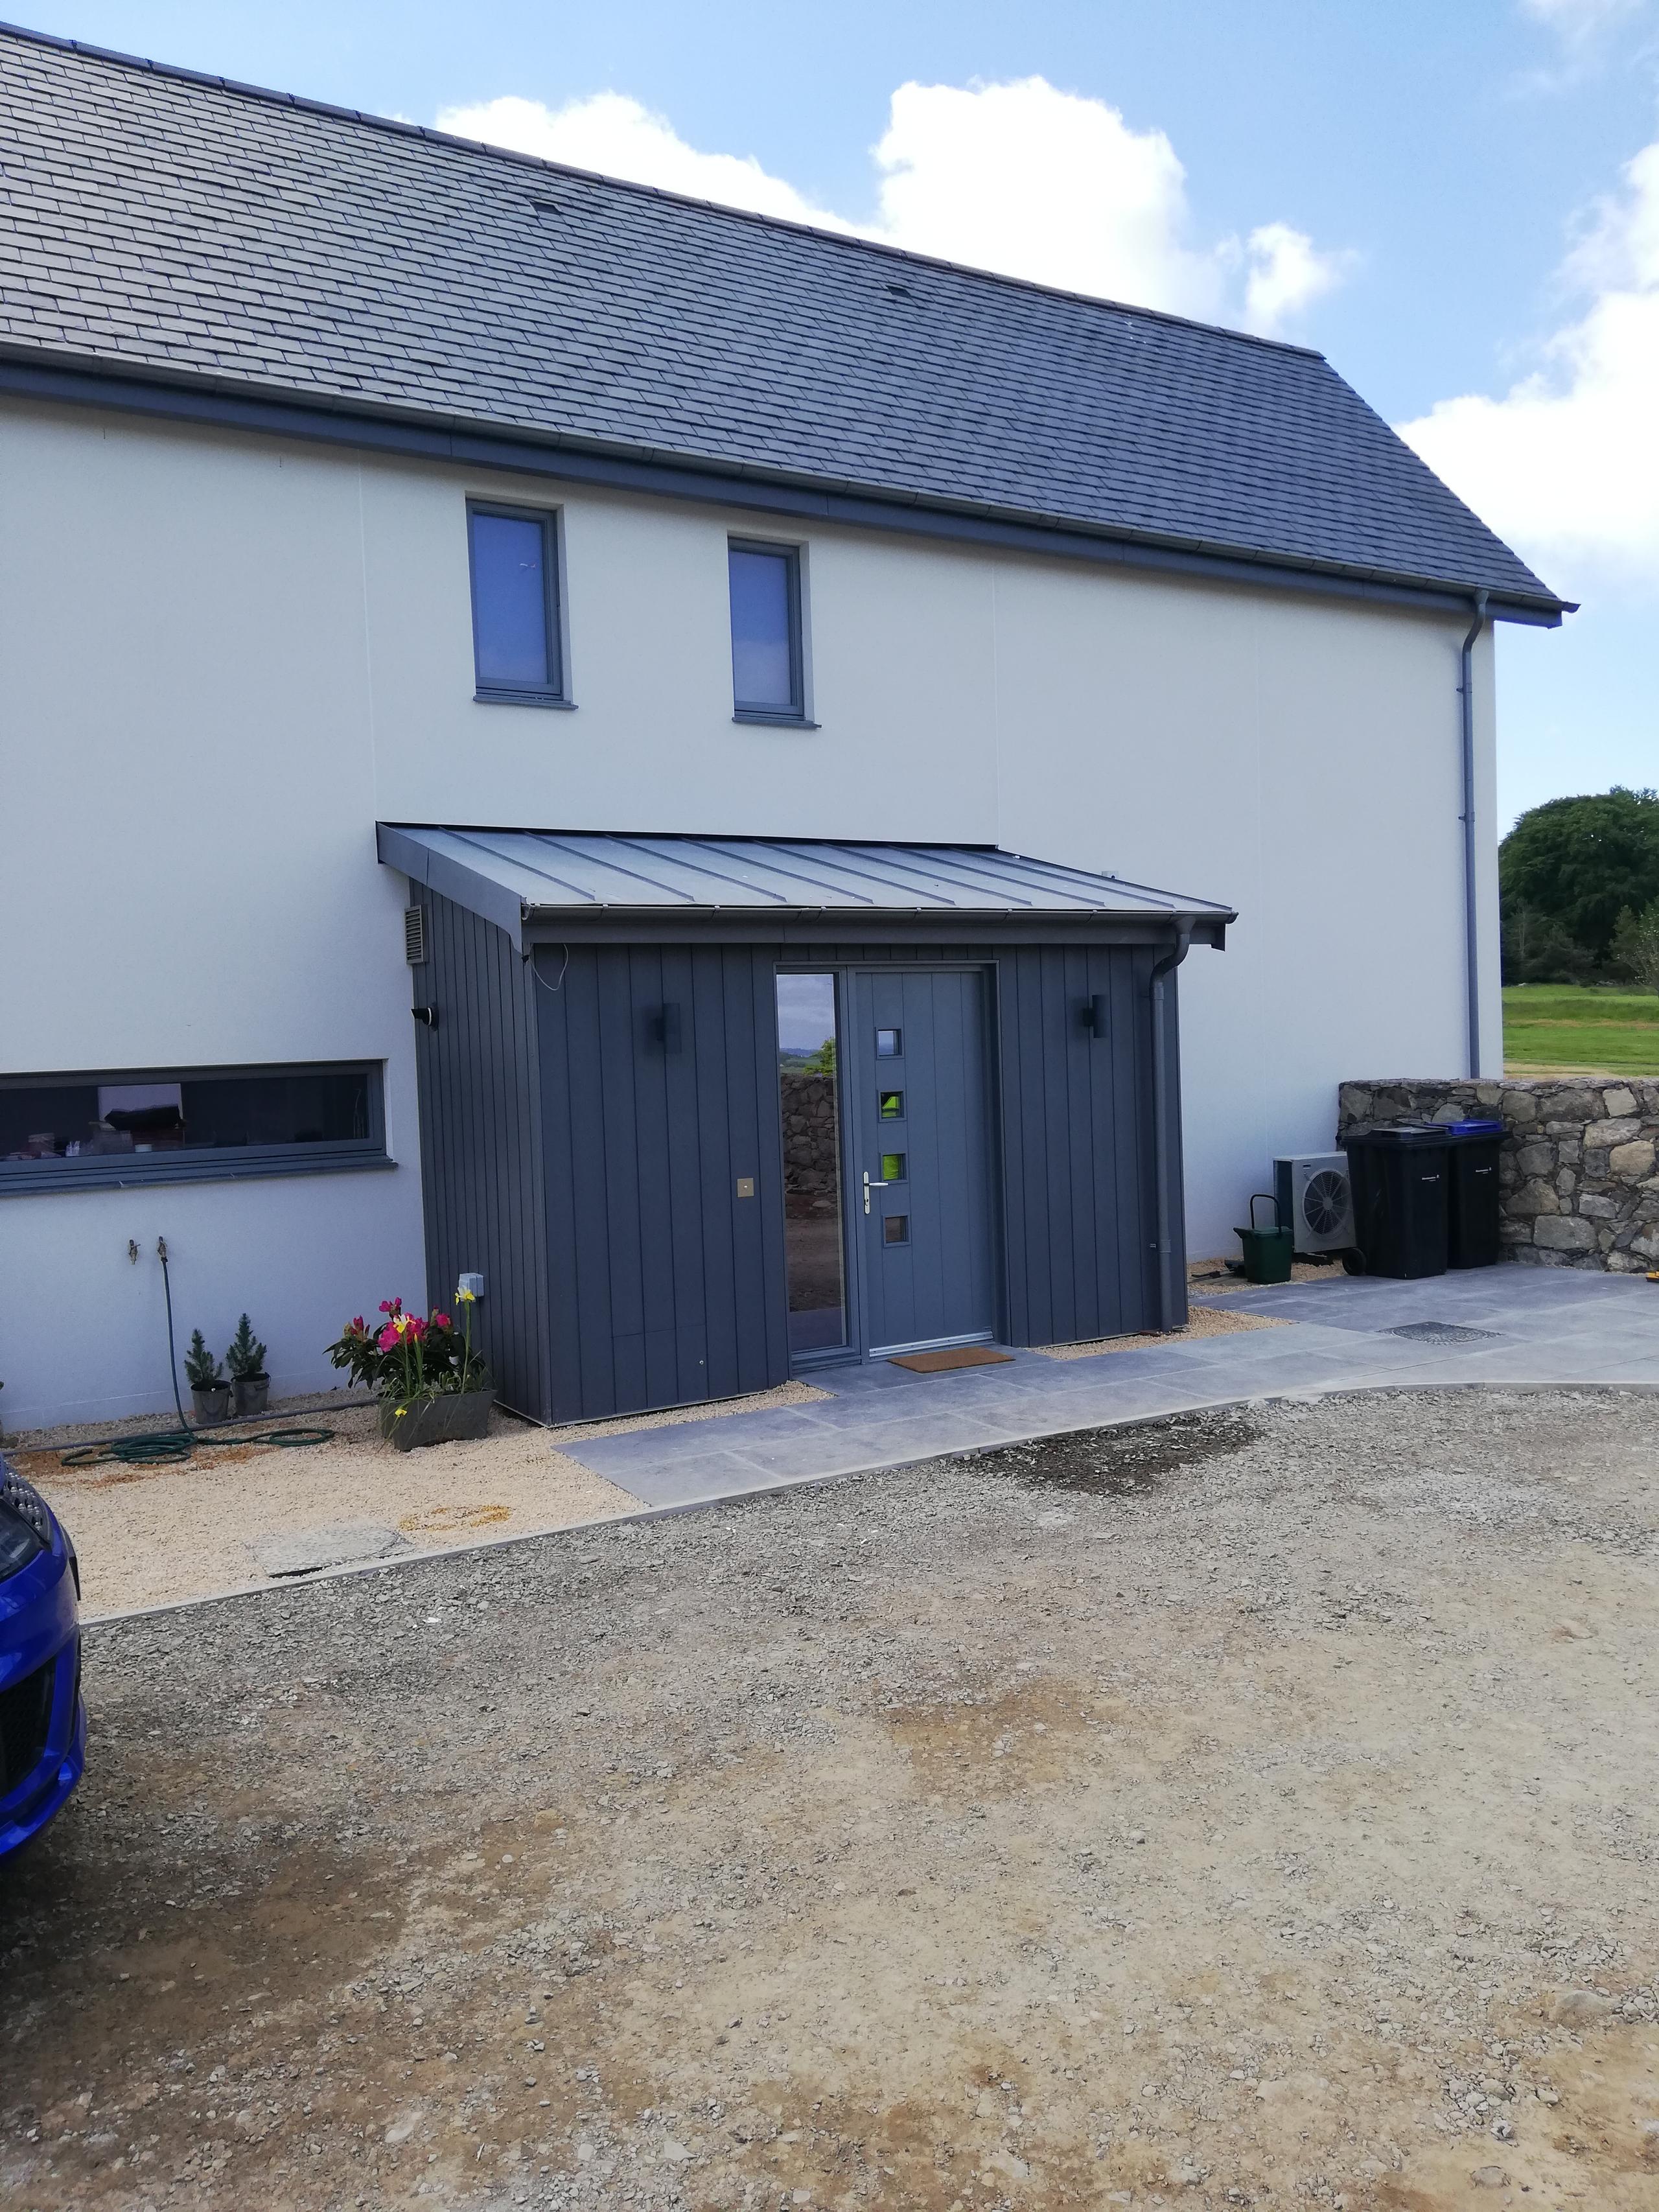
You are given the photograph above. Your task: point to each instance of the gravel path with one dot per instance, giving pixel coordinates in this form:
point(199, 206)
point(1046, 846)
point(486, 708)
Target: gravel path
point(1250, 1810)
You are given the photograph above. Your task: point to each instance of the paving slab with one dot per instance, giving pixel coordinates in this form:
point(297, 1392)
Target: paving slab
point(1547, 1325)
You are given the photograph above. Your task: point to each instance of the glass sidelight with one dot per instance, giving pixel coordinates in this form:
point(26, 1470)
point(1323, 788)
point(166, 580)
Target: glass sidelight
point(809, 1105)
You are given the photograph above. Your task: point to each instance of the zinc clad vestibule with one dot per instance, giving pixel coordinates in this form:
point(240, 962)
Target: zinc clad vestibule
point(601, 1128)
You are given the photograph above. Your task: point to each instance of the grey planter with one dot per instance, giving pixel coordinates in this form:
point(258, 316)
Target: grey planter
point(212, 1406)
point(251, 1392)
point(454, 1418)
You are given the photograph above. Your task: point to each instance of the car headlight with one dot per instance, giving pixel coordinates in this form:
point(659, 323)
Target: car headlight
point(25, 1524)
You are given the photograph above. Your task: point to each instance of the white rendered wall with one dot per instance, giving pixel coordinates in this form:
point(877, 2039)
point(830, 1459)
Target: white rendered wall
point(187, 857)
point(221, 660)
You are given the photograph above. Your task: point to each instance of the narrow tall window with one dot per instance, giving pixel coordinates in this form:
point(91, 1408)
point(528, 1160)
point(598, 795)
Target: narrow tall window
point(767, 679)
point(515, 605)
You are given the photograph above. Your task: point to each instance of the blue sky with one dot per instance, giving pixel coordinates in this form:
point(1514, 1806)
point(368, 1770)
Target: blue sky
point(1440, 197)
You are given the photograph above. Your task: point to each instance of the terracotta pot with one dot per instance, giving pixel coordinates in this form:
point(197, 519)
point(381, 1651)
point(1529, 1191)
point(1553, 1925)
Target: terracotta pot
point(251, 1393)
point(212, 1405)
point(452, 1418)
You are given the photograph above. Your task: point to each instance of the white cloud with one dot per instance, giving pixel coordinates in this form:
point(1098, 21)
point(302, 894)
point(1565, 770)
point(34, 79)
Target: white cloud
point(615, 135)
point(1567, 464)
point(1020, 178)
point(1576, 21)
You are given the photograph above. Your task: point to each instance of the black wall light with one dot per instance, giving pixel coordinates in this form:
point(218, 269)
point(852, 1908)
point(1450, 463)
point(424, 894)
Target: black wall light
point(665, 1027)
point(427, 1016)
point(1094, 1015)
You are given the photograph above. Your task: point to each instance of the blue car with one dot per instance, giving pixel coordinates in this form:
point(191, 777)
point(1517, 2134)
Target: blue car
point(43, 1722)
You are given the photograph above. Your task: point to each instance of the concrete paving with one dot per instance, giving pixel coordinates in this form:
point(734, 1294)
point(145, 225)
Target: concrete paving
point(1536, 1326)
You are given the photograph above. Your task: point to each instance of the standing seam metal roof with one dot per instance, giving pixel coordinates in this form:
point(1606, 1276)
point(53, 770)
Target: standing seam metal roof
point(542, 870)
point(169, 225)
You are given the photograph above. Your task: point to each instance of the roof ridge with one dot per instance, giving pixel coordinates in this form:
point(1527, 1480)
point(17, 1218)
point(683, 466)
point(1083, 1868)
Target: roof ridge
point(397, 128)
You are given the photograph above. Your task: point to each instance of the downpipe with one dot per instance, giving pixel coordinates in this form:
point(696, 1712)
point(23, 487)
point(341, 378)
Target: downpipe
point(1166, 1295)
point(1471, 902)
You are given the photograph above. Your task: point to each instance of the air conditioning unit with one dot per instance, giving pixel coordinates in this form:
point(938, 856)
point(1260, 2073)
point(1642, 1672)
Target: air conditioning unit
point(1315, 1201)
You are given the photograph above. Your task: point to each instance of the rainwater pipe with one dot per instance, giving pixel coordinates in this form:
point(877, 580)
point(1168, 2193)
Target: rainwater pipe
point(1471, 902)
point(1171, 960)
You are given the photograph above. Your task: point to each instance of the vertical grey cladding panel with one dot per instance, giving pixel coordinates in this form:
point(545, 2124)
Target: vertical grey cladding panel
point(482, 1148)
point(665, 1280)
point(1076, 1143)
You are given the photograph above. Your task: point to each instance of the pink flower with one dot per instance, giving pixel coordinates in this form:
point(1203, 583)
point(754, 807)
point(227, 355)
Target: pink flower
point(387, 1339)
point(415, 1325)
point(441, 1320)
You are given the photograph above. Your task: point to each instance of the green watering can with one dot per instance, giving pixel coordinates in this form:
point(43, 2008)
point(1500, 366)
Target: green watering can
point(1266, 1251)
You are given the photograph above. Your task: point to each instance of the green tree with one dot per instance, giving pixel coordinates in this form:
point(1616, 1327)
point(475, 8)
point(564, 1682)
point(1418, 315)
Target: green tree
point(1579, 863)
point(1636, 946)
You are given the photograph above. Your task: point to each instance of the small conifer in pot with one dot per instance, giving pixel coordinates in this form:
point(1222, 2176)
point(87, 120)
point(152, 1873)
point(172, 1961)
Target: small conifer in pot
point(209, 1390)
point(246, 1359)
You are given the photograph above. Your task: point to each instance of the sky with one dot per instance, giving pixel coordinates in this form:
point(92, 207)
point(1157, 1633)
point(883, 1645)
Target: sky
point(1458, 205)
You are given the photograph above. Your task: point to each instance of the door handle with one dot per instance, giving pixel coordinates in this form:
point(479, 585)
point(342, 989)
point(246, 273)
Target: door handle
point(868, 1187)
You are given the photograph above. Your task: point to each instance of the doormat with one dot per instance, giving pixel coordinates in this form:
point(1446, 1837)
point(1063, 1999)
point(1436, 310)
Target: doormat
point(959, 1355)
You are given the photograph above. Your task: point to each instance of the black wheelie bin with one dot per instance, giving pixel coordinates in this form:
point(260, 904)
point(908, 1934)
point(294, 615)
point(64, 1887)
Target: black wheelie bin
point(1398, 1178)
point(1472, 1196)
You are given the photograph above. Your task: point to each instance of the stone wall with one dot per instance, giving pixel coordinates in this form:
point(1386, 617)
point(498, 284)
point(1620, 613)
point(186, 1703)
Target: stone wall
point(1577, 1165)
point(811, 1143)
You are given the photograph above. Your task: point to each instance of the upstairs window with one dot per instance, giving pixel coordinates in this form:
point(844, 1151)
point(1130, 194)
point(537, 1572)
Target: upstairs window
point(767, 682)
point(516, 647)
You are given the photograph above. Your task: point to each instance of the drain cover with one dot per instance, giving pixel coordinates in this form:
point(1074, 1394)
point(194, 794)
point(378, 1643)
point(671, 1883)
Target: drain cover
point(1439, 1332)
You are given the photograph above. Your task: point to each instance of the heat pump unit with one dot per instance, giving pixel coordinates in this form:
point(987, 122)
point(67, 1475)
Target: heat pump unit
point(1315, 1202)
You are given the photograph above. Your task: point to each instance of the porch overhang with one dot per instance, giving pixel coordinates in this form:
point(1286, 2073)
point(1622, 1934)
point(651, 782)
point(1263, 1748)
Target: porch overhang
point(547, 886)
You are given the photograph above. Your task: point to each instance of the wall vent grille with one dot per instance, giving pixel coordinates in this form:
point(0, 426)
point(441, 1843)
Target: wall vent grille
point(415, 936)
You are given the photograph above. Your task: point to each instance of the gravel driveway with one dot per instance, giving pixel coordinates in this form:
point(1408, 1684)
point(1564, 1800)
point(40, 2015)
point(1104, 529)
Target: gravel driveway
point(1251, 1809)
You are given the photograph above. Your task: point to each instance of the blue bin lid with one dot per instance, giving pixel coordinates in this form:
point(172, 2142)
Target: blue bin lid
point(1476, 1128)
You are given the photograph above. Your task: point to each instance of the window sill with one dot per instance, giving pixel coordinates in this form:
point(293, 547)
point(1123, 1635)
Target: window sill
point(767, 720)
point(130, 1171)
point(524, 699)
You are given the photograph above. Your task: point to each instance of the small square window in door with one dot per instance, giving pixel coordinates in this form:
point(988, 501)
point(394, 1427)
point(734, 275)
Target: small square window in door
point(892, 1105)
point(889, 1044)
point(896, 1229)
point(892, 1167)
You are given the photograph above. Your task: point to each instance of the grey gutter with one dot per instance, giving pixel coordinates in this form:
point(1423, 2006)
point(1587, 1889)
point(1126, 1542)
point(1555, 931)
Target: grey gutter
point(1471, 902)
point(1172, 1308)
point(387, 430)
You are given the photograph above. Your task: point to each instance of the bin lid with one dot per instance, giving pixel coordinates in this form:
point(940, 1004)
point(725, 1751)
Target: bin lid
point(1475, 1128)
point(1414, 1134)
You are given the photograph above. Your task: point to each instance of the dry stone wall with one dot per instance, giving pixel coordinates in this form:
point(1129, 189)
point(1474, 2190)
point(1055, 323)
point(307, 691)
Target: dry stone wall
point(1577, 1167)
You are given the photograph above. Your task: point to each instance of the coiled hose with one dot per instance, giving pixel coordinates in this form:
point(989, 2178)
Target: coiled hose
point(169, 1446)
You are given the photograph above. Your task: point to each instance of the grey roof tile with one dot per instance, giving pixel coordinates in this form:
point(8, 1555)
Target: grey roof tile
point(261, 240)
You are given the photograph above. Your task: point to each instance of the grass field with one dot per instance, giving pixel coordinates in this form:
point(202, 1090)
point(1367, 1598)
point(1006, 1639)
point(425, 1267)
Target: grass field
point(1576, 1028)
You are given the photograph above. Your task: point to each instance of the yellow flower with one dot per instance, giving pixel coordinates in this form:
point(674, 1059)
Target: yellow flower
point(401, 1411)
point(465, 1297)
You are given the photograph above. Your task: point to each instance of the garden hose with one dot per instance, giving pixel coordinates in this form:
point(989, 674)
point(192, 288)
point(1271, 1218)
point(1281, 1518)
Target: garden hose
point(171, 1446)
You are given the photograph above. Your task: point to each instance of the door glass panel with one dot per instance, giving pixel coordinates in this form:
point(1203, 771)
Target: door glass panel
point(889, 1044)
point(895, 1230)
point(809, 1104)
point(892, 1167)
point(892, 1105)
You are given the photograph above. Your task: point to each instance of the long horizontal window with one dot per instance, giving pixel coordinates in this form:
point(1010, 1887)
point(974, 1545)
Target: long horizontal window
point(152, 1125)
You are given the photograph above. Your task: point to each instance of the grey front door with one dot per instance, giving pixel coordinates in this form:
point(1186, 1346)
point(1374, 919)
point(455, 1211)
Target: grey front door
point(920, 1193)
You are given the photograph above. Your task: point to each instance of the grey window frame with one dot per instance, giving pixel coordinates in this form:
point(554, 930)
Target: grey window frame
point(211, 1164)
point(553, 694)
point(794, 716)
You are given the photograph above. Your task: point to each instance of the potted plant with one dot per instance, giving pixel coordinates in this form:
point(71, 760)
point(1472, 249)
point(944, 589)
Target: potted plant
point(245, 1358)
point(433, 1387)
point(209, 1388)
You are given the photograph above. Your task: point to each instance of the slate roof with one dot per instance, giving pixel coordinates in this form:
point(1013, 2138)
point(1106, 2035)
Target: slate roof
point(518, 876)
point(170, 225)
